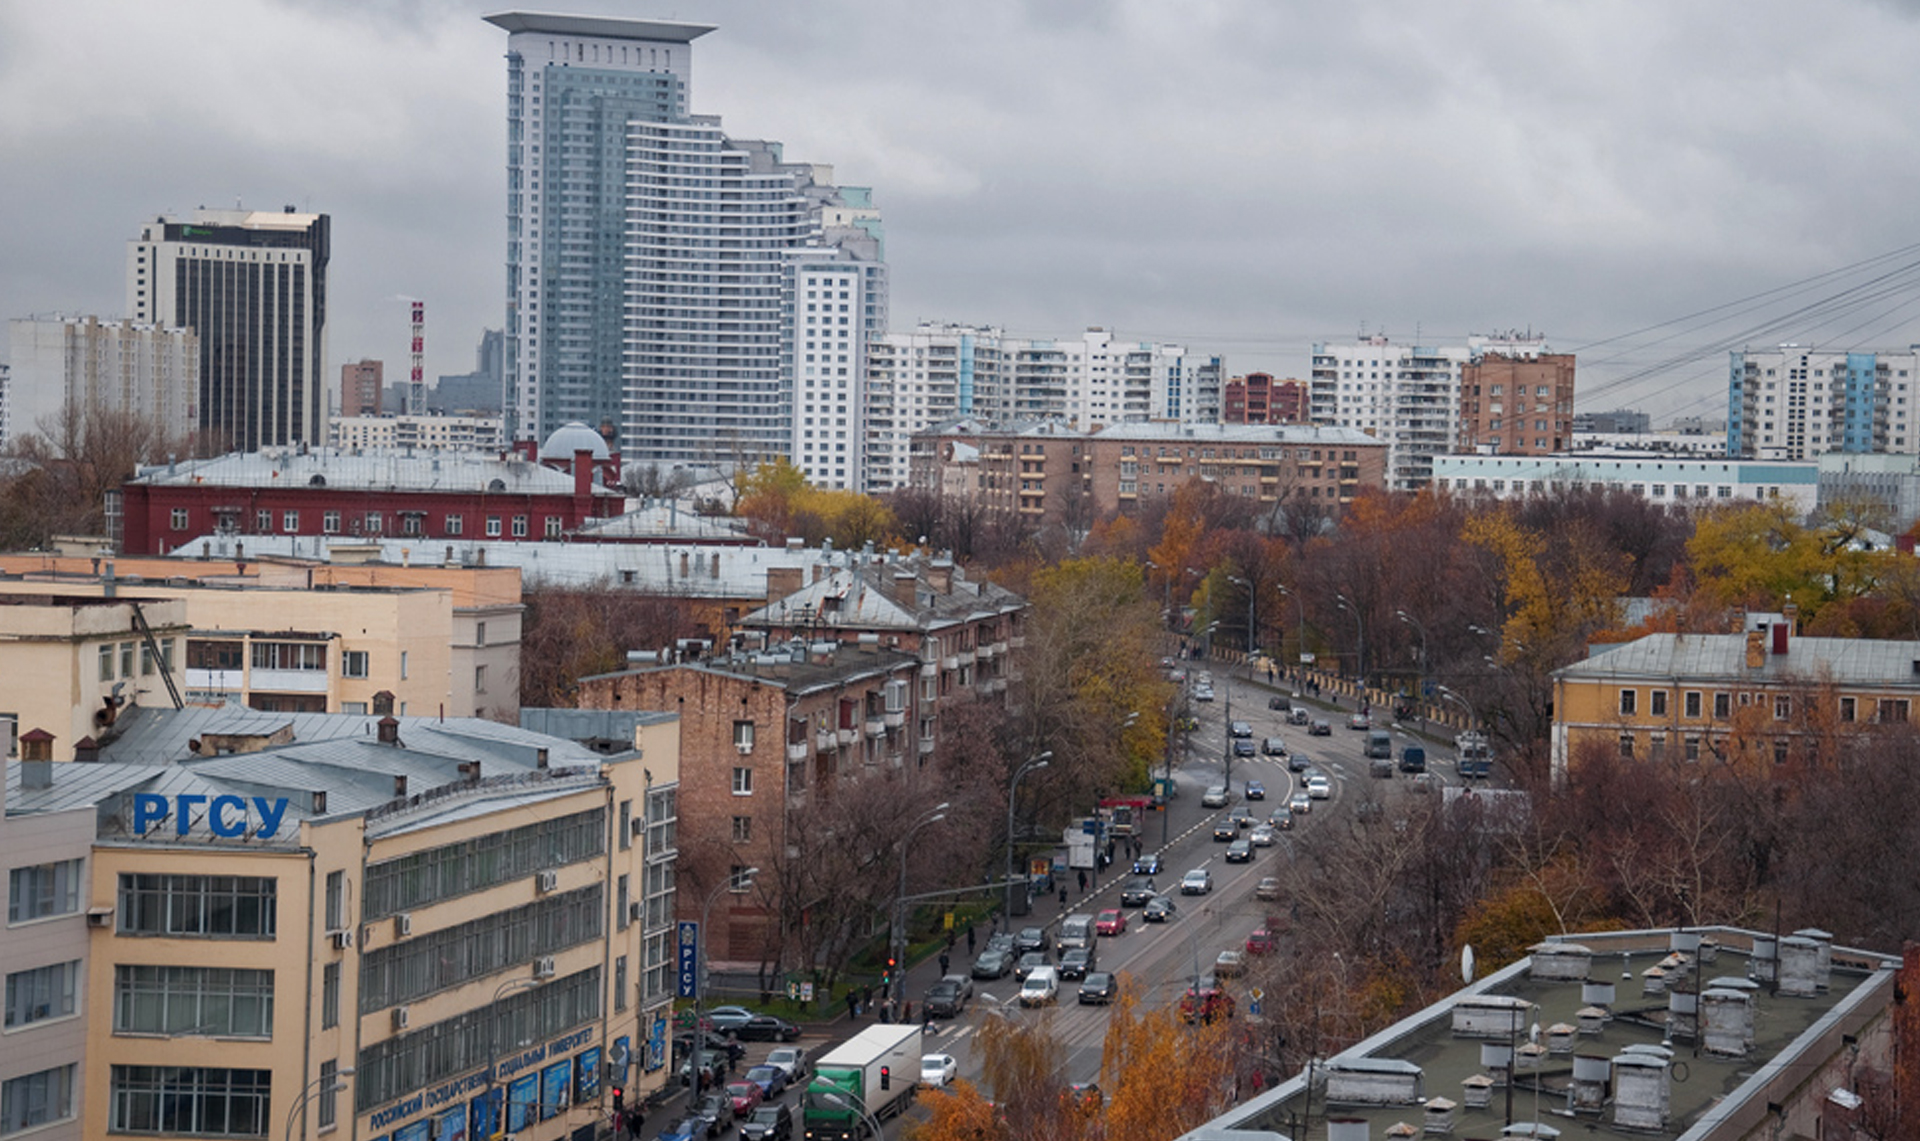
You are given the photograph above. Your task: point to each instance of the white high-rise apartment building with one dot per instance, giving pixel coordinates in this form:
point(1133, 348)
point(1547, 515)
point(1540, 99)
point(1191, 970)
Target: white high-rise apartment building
point(940, 371)
point(148, 371)
point(253, 285)
point(1796, 403)
point(1405, 395)
point(651, 258)
point(836, 306)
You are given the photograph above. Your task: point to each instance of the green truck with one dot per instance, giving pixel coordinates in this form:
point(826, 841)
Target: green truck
point(869, 1077)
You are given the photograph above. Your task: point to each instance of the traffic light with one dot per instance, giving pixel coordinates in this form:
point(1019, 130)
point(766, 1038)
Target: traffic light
point(886, 1077)
point(619, 1101)
point(886, 977)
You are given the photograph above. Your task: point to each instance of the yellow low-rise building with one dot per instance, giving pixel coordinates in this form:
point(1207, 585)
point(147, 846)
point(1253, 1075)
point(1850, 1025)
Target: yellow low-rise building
point(73, 662)
point(410, 929)
point(1765, 693)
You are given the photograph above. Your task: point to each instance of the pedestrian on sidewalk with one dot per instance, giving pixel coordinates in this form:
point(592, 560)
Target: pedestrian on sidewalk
point(1083, 881)
point(945, 962)
point(1063, 897)
point(969, 938)
point(853, 1005)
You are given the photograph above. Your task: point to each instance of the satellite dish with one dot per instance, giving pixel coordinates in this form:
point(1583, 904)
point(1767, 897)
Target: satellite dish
point(1466, 963)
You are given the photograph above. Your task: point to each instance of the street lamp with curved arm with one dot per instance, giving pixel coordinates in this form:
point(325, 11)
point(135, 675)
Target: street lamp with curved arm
point(493, 1026)
point(1238, 581)
point(846, 1099)
point(1472, 718)
point(1417, 695)
point(1013, 786)
point(1300, 637)
point(932, 815)
point(1360, 635)
point(299, 1103)
point(739, 882)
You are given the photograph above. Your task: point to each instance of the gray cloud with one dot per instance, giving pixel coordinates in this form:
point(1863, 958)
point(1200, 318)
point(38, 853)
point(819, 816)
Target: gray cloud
point(1234, 173)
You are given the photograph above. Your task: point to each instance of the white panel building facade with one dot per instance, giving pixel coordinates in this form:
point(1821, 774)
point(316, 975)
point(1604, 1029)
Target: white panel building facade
point(144, 370)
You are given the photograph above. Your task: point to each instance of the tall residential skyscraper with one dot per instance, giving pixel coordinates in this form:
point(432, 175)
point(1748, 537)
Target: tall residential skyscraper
point(1795, 402)
point(652, 259)
point(148, 371)
point(253, 285)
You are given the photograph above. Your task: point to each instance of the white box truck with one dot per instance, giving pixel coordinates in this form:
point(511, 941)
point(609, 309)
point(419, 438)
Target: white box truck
point(870, 1075)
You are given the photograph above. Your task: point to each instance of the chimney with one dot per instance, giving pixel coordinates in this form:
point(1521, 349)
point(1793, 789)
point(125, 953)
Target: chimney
point(1792, 613)
point(582, 472)
point(1756, 650)
point(1780, 638)
point(905, 589)
point(940, 575)
point(389, 730)
point(399, 786)
point(470, 771)
point(540, 758)
point(782, 581)
point(36, 745)
point(86, 750)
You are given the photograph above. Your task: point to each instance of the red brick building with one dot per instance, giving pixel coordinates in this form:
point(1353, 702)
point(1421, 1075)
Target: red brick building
point(329, 492)
point(1257, 398)
point(1517, 405)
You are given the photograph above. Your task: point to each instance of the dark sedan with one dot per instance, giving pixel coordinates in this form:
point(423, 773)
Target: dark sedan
point(1159, 910)
point(1098, 987)
point(1031, 939)
point(993, 964)
point(768, 1028)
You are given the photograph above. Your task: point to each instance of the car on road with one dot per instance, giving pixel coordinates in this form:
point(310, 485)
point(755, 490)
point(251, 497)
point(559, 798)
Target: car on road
point(1032, 939)
point(1298, 762)
point(1256, 790)
point(1243, 747)
point(1268, 888)
point(1242, 818)
point(1299, 802)
point(1260, 942)
point(1239, 852)
point(1000, 941)
point(1274, 747)
point(1214, 797)
point(745, 1096)
point(1225, 830)
point(1029, 963)
point(1112, 921)
point(1097, 987)
point(716, 1109)
point(728, 1019)
point(1076, 963)
point(1319, 788)
point(1360, 722)
point(1199, 881)
point(1240, 729)
point(1159, 909)
point(1320, 728)
point(1201, 693)
point(769, 1123)
point(684, 1130)
point(1261, 837)
point(944, 999)
point(772, 1080)
point(1147, 865)
point(1137, 892)
point(768, 1028)
point(1205, 1003)
point(793, 1059)
point(936, 1070)
point(1278, 702)
point(993, 963)
point(712, 1065)
point(1281, 820)
point(1228, 964)
point(1298, 715)
point(1041, 988)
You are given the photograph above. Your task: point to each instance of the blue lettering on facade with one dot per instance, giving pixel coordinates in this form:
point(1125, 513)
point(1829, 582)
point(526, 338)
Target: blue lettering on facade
point(460, 1087)
point(226, 815)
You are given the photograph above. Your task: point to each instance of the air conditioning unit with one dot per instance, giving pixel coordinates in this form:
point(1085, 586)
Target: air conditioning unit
point(400, 1018)
point(744, 748)
point(638, 827)
point(633, 913)
point(543, 967)
point(402, 925)
point(100, 917)
point(342, 939)
point(546, 881)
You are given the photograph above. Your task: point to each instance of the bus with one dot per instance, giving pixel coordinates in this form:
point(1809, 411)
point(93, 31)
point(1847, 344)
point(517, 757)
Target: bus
point(1476, 756)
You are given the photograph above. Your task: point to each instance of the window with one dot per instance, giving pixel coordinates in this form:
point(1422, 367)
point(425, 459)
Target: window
point(624, 833)
point(743, 736)
point(455, 523)
point(353, 663)
point(493, 526)
point(1846, 709)
point(620, 983)
point(43, 890)
point(327, 1094)
point(1782, 707)
point(106, 662)
point(1780, 750)
point(479, 679)
point(479, 633)
point(1626, 746)
point(742, 781)
point(242, 907)
point(336, 900)
point(289, 521)
point(737, 881)
point(403, 665)
point(330, 522)
point(1657, 702)
point(742, 829)
point(1691, 703)
point(330, 995)
point(216, 1002)
point(178, 517)
point(41, 993)
point(553, 527)
point(200, 1100)
point(373, 522)
point(1628, 699)
point(1892, 712)
point(519, 526)
point(126, 659)
point(36, 1099)
point(263, 521)
point(1692, 748)
point(289, 656)
point(1722, 706)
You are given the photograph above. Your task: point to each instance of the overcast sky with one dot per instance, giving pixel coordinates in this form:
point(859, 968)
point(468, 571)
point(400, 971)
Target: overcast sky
point(1243, 176)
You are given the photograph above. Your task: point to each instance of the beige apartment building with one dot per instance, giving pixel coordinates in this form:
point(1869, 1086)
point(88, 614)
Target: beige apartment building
point(413, 931)
point(73, 663)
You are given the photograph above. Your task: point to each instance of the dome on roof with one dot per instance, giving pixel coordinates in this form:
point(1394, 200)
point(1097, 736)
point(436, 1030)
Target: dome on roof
point(570, 438)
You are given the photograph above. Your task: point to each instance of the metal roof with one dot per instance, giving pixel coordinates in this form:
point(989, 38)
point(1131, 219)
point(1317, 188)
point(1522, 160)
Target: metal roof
point(863, 597)
point(610, 27)
point(369, 469)
point(1723, 657)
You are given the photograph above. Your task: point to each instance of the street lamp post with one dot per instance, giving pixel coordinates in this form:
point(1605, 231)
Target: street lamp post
point(1300, 636)
point(1359, 638)
point(933, 815)
point(1421, 684)
point(1251, 641)
point(493, 1025)
point(1013, 787)
point(299, 1103)
point(1473, 719)
point(847, 1099)
point(738, 882)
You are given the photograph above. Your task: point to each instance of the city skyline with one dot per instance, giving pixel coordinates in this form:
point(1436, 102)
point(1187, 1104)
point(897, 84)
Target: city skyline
point(1241, 180)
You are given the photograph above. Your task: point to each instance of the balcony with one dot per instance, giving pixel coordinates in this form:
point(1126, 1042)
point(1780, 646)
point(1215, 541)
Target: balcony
point(290, 681)
point(1017, 641)
point(950, 662)
point(966, 657)
point(876, 727)
point(929, 669)
point(849, 735)
point(797, 751)
point(926, 745)
point(896, 718)
point(825, 741)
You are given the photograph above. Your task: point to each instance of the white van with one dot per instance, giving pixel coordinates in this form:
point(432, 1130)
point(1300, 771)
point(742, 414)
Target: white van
point(1076, 931)
point(1041, 988)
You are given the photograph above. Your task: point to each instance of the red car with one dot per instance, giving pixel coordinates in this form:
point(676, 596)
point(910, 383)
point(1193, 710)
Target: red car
point(1111, 922)
point(1260, 942)
point(745, 1096)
